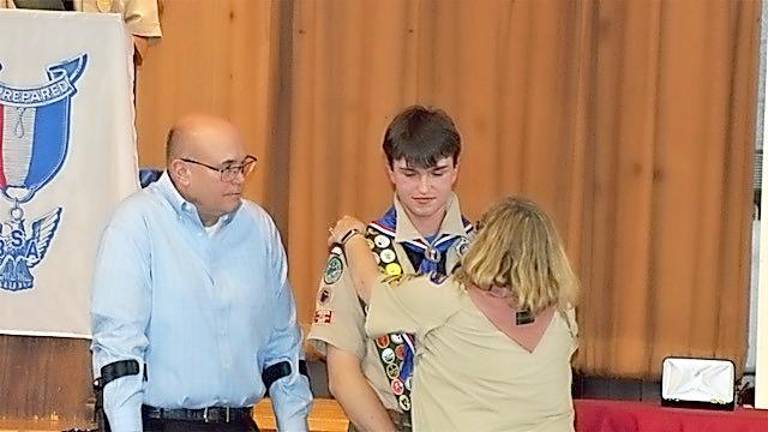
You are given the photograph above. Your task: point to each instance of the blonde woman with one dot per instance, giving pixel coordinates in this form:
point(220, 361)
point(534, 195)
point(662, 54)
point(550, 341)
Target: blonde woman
point(494, 340)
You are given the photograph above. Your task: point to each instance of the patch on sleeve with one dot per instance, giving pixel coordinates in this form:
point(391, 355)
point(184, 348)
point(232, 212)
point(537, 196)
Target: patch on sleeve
point(324, 296)
point(333, 270)
point(323, 316)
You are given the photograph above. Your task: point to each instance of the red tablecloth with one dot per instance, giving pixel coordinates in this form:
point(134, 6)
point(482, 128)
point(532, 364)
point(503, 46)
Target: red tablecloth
point(620, 416)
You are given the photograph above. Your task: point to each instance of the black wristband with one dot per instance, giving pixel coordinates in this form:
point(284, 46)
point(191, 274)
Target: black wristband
point(348, 235)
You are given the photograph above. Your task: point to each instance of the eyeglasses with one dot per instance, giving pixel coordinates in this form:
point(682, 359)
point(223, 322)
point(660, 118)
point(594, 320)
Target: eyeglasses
point(229, 171)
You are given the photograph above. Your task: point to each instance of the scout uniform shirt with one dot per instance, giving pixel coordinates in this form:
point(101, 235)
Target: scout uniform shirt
point(339, 314)
point(472, 376)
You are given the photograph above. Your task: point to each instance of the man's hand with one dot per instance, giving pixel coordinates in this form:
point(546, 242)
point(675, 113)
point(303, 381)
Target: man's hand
point(350, 387)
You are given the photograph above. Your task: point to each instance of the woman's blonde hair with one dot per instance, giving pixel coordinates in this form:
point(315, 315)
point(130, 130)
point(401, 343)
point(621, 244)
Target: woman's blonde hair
point(517, 247)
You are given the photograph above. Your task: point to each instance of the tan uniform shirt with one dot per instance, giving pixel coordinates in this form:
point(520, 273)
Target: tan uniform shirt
point(141, 16)
point(339, 317)
point(469, 375)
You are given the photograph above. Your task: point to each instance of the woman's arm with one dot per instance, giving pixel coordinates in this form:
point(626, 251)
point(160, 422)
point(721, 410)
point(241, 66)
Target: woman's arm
point(349, 233)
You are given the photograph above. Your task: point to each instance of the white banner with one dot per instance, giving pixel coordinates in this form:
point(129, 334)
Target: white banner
point(67, 157)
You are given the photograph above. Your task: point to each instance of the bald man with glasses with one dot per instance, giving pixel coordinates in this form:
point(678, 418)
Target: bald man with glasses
point(193, 317)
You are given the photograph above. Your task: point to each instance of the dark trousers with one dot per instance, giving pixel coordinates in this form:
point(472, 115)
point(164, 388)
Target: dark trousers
point(165, 425)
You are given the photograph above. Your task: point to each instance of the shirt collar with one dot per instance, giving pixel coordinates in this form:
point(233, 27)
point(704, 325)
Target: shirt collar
point(452, 222)
point(180, 205)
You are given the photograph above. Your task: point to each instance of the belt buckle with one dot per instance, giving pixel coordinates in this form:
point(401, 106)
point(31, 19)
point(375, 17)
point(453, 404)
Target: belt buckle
point(205, 415)
point(207, 418)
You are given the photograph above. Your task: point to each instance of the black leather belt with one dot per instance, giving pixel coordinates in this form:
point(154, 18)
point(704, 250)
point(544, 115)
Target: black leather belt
point(204, 415)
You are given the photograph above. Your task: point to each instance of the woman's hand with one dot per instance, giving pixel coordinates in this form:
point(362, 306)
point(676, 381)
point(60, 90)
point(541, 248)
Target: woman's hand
point(343, 227)
point(362, 265)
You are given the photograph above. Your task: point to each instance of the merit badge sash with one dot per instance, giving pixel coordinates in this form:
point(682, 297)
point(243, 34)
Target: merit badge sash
point(391, 348)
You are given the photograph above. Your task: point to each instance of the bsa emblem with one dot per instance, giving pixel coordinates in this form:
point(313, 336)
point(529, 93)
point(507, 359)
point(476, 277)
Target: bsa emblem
point(381, 241)
point(34, 138)
point(387, 255)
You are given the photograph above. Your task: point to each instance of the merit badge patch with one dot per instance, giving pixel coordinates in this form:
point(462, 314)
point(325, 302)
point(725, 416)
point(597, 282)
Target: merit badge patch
point(388, 355)
point(405, 402)
point(393, 370)
point(393, 269)
point(400, 352)
point(324, 296)
point(382, 341)
point(333, 270)
point(397, 387)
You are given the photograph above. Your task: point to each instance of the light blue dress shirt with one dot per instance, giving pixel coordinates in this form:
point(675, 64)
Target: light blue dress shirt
point(204, 313)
